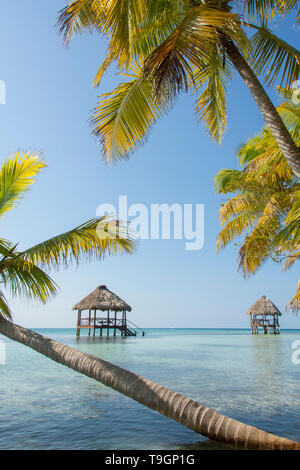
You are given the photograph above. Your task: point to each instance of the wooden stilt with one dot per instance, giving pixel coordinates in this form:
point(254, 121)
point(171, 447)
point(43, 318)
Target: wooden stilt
point(94, 330)
point(78, 323)
point(89, 323)
point(115, 325)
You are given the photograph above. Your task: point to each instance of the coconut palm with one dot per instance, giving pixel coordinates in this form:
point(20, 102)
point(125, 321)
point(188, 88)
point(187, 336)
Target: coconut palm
point(22, 272)
point(265, 207)
point(188, 412)
point(164, 47)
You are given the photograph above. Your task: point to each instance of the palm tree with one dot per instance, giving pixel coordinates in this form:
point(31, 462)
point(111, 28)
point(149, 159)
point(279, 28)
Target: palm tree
point(168, 46)
point(22, 272)
point(265, 207)
point(188, 412)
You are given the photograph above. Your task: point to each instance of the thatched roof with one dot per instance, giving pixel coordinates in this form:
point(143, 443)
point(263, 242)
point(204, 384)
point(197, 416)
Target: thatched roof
point(263, 306)
point(102, 299)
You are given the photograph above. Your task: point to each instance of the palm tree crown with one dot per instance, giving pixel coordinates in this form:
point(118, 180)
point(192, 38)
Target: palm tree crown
point(265, 207)
point(164, 47)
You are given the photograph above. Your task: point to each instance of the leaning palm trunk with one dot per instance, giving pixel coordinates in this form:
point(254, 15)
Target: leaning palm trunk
point(171, 404)
point(265, 105)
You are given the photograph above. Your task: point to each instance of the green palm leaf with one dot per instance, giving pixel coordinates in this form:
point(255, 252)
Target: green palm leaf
point(120, 20)
point(267, 204)
point(90, 241)
point(257, 246)
point(21, 272)
point(23, 277)
point(228, 180)
point(77, 16)
point(236, 227)
point(123, 118)
point(190, 45)
point(16, 176)
point(272, 57)
point(294, 304)
point(263, 10)
point(211, 104)
point(4, 308)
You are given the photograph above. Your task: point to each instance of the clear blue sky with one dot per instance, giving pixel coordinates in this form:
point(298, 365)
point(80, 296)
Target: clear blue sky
point(49, 100)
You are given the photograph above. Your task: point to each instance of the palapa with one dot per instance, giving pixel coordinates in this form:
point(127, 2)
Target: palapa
point(259, 313)
point(264, 306)
point(102, 299)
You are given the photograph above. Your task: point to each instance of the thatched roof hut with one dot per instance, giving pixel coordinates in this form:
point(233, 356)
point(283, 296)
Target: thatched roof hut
point(259, 313)
point(102, 299)
point(263, 306)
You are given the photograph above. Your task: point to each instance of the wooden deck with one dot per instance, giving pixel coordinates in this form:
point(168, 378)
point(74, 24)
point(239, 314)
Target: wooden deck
point(93, 323)
point(269, 326)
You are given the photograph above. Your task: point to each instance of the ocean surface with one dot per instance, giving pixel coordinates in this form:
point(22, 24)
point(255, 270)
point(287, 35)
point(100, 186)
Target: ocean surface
point(44, 405)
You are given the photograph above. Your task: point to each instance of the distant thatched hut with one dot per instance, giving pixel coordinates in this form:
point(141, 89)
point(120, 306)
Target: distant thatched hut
point(264, 314)
point(102, 299)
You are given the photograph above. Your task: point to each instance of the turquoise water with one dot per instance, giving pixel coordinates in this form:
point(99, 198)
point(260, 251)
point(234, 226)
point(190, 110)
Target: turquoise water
point(44, 405)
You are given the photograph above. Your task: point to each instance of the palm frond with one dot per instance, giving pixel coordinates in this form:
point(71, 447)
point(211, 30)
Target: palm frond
point(292, 257)
point(16, 176)
point(240, 204)
point(170, 65)
point(262, 10)
point(257, 246)
point(123, 19)
point(291, 117)
point(286, 6)
point(228, 181)
point(274, 58)
point(77, 16)
point(291, 224)
point(265, 205)
point(4, 308)
point(294, 304)
point(109, 59)
point(211, 104)
point(249, 151)
point(123, 118)
point(158, 24)
point(22, 277)
point(235, 228)
point(90, 241)
point(119, 20)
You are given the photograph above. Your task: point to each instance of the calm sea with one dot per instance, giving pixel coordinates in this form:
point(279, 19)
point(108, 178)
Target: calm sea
point(44, 405)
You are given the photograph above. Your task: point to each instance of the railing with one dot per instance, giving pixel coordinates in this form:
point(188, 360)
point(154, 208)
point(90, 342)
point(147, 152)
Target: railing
point(137, 327)
point(104, 322)
point(262, 323)
point(100, 321)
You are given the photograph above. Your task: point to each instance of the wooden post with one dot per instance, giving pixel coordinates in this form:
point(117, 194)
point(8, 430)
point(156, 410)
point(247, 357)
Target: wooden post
point(115, 325)
point(78, 323)
point(89, 323)
point(94, 331)
point(107, 322)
